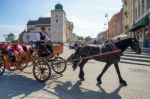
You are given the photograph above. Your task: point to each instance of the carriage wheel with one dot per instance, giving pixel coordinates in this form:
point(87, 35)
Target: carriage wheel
point(41, 71)
point(2, 65)
point(58, 65)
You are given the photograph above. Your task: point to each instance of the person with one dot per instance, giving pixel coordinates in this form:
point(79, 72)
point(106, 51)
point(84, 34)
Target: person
point(9, 49)
point(76, 46)
point(14, 51)
point(44, 38)
point(20, 48)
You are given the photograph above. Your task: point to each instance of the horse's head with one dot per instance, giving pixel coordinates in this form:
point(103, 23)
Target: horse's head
point(135, 46)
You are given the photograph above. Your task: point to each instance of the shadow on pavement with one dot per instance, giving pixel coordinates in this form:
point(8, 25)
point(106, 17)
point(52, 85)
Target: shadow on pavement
point(18, 86)
point(68, 90)
point(55, 76)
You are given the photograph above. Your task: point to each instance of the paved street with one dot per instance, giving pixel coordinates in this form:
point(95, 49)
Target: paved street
point(18, 84)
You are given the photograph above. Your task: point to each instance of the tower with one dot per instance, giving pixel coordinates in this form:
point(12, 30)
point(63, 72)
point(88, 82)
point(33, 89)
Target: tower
point(58, 24)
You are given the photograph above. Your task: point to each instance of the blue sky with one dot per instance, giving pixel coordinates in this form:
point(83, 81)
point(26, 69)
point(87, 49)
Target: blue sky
point(88, 16)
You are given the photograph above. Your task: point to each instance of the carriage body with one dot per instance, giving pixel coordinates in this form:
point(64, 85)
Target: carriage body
point(31, 56)
point(57, 49)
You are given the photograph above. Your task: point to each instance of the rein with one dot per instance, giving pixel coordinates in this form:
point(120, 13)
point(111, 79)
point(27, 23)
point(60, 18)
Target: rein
point(91, 56)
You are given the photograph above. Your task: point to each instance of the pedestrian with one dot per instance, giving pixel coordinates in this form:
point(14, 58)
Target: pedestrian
point(76, 45)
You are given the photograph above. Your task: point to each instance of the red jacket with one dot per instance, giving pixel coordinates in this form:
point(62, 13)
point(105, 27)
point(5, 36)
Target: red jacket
point(3, 46)
point(15, 47)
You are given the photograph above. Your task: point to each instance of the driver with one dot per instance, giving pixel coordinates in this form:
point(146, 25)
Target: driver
point(43, 37)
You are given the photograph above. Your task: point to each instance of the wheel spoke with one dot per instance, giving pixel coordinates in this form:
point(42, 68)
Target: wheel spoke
point(45, 66)
point(38, 74)
point(44, 75)
point(36, 68)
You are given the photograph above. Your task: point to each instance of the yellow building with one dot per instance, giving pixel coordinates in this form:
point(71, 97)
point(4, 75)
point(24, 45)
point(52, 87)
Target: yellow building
point(127, 16)
point(137, 20)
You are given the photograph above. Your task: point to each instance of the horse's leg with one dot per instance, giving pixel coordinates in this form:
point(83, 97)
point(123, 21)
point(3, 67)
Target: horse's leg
point(103, 71)
point(119, 75)
point(81, 65)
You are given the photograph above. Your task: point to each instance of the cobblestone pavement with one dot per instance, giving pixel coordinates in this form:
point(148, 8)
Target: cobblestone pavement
point(18, 84)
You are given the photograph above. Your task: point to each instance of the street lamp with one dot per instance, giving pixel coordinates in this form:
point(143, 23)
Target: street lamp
point(106, 15)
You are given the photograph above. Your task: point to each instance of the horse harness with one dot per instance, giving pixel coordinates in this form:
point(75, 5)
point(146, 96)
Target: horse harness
point(113, 47)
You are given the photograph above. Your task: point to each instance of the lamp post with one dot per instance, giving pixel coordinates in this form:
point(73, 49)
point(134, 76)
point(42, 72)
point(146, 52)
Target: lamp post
point(106, 15)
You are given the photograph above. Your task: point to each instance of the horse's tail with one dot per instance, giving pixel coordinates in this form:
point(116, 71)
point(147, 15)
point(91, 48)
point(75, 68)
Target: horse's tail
point(75, 59)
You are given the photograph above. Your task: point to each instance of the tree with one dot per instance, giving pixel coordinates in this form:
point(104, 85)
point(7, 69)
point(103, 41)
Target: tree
point(10, 37)
point(80, 38)
point(88, 38)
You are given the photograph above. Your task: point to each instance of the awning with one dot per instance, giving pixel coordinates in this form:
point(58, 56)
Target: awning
point(141, 23)
point(121, 36)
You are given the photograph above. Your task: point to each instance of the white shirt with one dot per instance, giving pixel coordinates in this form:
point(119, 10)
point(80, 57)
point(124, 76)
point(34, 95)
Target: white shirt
point(38, 37)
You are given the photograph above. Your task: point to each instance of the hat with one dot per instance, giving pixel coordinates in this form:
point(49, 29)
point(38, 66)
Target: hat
point(42, 28)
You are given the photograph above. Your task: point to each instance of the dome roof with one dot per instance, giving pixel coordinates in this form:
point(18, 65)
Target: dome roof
point(59, 7)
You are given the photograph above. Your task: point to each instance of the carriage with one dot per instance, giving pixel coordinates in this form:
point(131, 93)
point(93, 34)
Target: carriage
point(42, 65)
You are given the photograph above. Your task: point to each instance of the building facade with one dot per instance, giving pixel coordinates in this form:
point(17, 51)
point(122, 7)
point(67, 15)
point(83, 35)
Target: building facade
point(127, 16)
point(115, 25)
point(138, 21)
point(102, 36)
point(58, 28)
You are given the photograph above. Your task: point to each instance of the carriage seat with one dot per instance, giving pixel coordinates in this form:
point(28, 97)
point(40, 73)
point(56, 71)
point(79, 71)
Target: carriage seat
point(3, 46)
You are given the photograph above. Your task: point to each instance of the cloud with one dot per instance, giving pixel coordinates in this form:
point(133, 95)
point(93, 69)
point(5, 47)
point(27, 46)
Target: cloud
point(3, 26)
point(6, 29)
point(85, 27)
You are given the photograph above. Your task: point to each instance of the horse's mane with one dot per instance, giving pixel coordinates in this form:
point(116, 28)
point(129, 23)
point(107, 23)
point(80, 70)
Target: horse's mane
point(123, 44)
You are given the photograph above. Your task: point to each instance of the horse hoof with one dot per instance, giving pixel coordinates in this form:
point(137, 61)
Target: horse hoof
point(124, 83)
point(82, 79)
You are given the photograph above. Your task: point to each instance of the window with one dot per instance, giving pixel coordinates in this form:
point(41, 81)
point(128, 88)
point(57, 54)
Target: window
point(139, 7)
point(143, 8)
point(148, 4)
point(136, 14)
point(125, 2)
point(141, 35)
point(126, 13)
point(56, 20)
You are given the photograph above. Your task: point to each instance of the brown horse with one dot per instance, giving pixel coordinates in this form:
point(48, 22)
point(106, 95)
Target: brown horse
point(109, 59)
